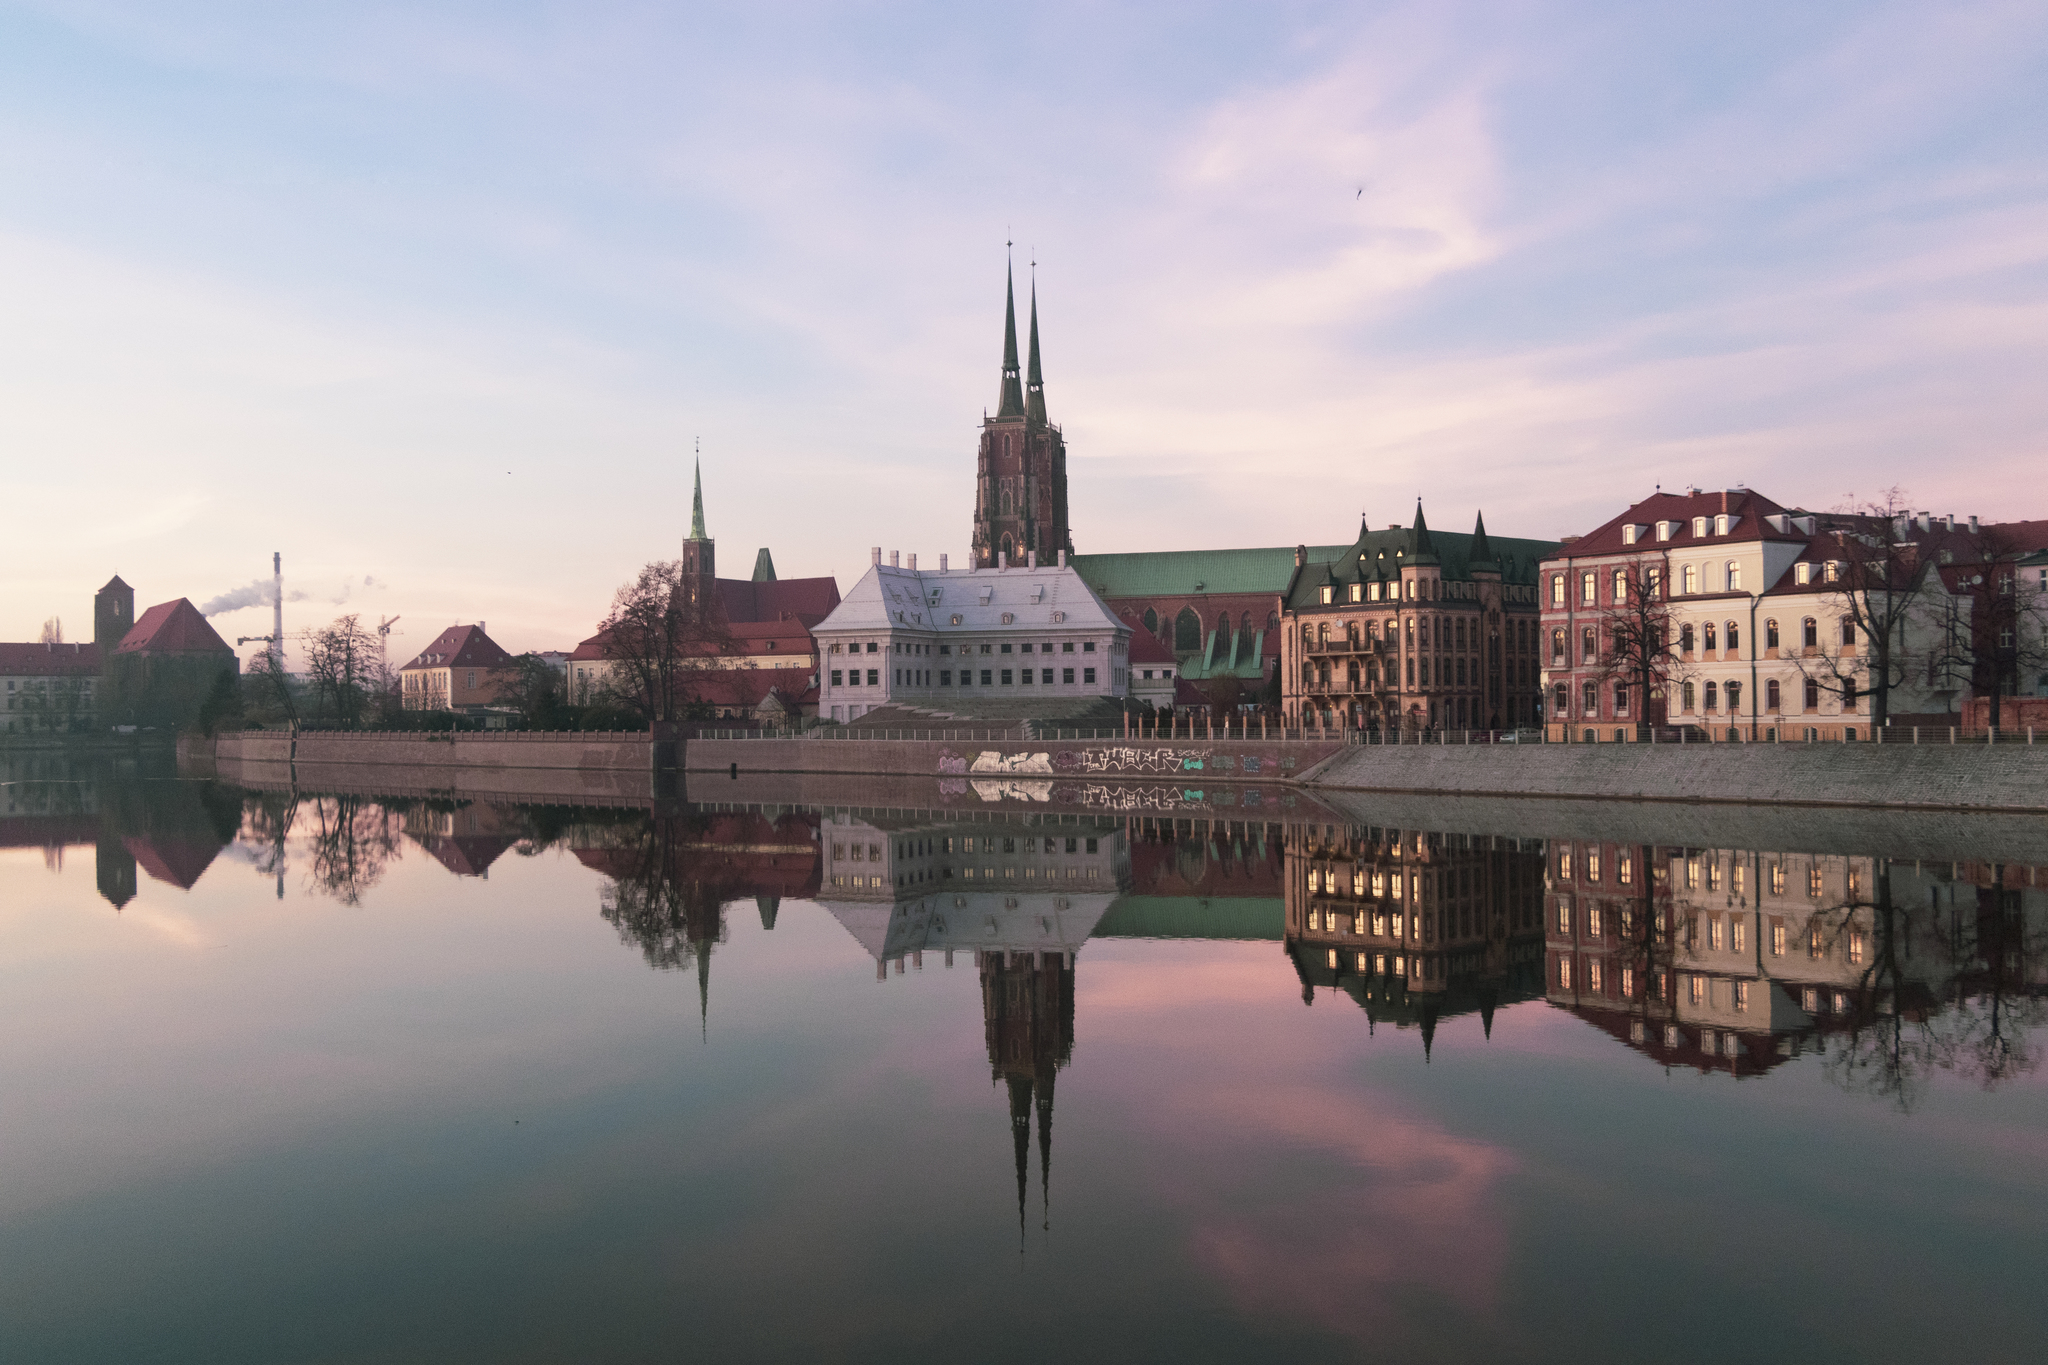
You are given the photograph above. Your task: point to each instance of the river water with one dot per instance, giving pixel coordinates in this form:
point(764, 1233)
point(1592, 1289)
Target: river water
point(1149, 1074)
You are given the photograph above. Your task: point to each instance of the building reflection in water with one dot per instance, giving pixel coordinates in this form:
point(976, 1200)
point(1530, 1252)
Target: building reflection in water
point(1739, 960)
point(1415, 926)
point(137, 822)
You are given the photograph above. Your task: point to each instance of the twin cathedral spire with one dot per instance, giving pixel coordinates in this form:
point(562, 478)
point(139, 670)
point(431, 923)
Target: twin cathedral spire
point(1020, 501)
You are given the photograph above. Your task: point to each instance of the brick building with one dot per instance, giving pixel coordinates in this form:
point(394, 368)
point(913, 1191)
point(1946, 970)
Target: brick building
point(1409, 629)
point(1020, 484)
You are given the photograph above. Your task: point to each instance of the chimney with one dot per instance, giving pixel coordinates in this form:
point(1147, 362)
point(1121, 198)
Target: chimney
point(480, 629)
point(1300, 555)
point(1973, 526)
point(1951, 521)
point(877, 555)
point(895, 559)
point(942, 563)
point(913, 563)
point(1926, 521)
point(1031, 559)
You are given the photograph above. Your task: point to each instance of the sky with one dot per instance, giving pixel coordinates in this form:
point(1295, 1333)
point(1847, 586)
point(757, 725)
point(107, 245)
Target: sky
point(439, 298)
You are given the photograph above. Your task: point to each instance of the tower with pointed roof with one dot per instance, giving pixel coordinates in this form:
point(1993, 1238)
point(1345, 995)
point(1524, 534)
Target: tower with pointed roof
point(699, 551)
point(1020, 487)
point(113, 613)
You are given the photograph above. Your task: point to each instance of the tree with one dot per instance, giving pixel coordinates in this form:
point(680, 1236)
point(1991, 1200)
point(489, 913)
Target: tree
point(1637, 642)
point(530, 685)
point(1880, 583)
point(223, 704)
point(342, 666)
point(272, 686)
point(661, 638)
point(1992, 629)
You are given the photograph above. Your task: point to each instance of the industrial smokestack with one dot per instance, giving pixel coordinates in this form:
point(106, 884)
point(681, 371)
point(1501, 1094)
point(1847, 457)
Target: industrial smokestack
point(276, 611)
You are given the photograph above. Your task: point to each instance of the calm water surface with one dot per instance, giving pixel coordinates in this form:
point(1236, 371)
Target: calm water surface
point(291, 1077)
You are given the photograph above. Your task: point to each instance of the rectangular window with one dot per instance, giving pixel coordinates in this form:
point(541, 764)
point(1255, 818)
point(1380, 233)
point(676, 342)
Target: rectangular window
point(1045, 676)
point(1006, 649)
point(874, 677)
point(945, 677)
point(1737, 932)
point(1777, 939)
point(1593, 921)
point(838, 678)
point(1742, 995)
point(1589, 586)
point(1087, 675)
point(987, 677)
point(1027, 674)
point(1564, 918)
point(1006, 672)
point(1067, 675)
point(1698, 989)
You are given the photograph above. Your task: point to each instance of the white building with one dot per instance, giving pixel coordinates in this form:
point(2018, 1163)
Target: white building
point(1031, 632)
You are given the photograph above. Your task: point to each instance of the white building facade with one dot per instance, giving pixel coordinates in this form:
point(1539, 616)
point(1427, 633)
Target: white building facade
point(1020, 632)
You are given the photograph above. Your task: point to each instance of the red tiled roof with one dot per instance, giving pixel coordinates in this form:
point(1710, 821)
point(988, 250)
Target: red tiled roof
point(748, 686)
point(1146, 647)
point(49, 661)
point(172, 628)
point(177, 861)
point(805, 599)
point(460, 647)
point(1751, 507)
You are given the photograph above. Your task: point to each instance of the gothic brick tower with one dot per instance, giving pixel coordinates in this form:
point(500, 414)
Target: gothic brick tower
point(1020, 486)
point(113, 612)
point(700, 570)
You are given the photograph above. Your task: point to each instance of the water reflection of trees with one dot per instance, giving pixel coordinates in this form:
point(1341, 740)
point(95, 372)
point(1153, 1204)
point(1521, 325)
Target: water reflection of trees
point(351, 842)
point(1738, 960)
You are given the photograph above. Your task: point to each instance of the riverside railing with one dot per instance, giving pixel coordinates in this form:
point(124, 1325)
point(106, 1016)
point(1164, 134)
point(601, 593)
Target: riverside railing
point(1681, 735)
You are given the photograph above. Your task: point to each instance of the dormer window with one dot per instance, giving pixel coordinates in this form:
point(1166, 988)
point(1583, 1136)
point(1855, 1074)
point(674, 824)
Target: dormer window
point(1699, 526)
point(1358, 592)
point(1802, 574)
point(1329, 593)
point(1832, 571)
point(1665, 529)
point(1722, 523)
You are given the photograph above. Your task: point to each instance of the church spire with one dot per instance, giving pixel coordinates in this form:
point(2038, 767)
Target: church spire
point(697, 507)
point(1012, 402)
point(1034, 382)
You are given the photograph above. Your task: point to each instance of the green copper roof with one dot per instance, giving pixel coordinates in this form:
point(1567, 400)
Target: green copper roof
point(764, 567)
point(1179, 573)
point(1012, 401)
point(697, 507)
point(1034, 382)
point(1379, 555)
point(1216, 917)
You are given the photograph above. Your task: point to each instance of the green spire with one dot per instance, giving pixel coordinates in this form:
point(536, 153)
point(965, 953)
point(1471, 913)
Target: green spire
point(697, 507)
point(1012, 401)
point(1482, 548)
point(764, 567)
point(1034, 382)
point(1423, 550)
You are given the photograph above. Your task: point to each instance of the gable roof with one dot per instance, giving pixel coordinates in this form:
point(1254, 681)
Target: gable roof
point(460, 647)
point(35, 660)
point(1146, 648)
point(1378, 556)
point(1750, 509)
point(172, 628)
point(1178, 573)
point(809, 600)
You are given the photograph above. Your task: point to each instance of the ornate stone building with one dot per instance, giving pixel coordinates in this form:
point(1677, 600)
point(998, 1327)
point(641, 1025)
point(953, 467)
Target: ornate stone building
point(1409, 629)
point(1020, 486)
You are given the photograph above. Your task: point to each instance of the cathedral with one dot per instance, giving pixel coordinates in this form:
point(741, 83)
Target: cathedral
point(1020, 487)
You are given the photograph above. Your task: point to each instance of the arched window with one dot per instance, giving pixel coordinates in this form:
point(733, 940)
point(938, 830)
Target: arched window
point(1589, 587)
point(1713, 696)
point(1690, 696)
point(1272, 621)
point(1772, 696)
point(1557, 647)
point(1708, 638)
point(1734, 690)
point(1809, 632)
point(1557, 589)
point(1006, 497)
point(1770, 635)
point(1734, 636)
point(1734, 576)
point(1151, 621)
point(1692, 579)
point(1187, 630)
point(1222, 630)
point(1009, 548)
point(1244, 624)
point(1620, 586)
point(1848, 630)
point(1685, 639)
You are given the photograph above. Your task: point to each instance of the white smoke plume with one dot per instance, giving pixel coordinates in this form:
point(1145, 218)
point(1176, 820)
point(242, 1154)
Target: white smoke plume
point(257, 594)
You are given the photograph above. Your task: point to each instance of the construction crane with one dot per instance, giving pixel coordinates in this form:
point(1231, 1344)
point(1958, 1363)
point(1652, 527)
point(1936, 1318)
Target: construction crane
point(383, 643)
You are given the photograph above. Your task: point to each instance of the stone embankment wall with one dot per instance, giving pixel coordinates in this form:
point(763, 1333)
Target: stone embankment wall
point(2008, 777)
point(600, 768)
point(996, 760)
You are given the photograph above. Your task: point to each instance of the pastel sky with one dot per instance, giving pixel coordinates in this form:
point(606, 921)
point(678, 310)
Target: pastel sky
point(436, 297)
